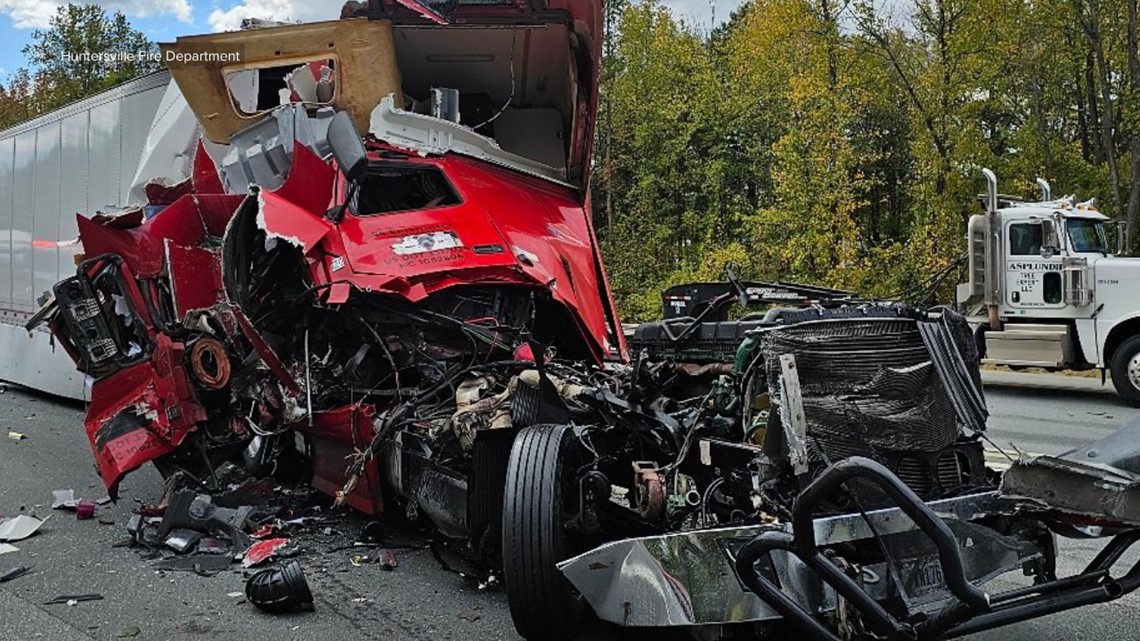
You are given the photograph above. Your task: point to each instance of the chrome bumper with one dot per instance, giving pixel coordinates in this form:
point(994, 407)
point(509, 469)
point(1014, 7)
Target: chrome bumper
point(688, 578)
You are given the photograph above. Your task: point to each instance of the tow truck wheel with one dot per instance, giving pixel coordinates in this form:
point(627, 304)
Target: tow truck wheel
point(541, 600)
point(1126, 370)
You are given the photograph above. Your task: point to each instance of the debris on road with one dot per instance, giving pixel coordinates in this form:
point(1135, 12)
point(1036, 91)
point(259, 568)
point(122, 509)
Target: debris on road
point(72, 599)
point(387, 560)
point(20, 527)
point(14, 573)
point(262, 551)
point(197, 563)
point(280, 590)
point(84, 510)
point(16, 436)
point(6, 548)
point(129, 631)
point(64, 500)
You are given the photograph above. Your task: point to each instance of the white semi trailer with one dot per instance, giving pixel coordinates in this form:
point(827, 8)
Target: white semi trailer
point(83, 157)
point(1045, 290)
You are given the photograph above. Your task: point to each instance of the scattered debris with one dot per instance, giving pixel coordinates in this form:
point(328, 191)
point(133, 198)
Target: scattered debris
point(64, 499)
point(14, 573)
point(19, 527)
point(6, 548)
point(197, 563)
point(471, 615)
point(16, 436)
point(194, 511)
point(212, 545)
point(279, 590)
point(182, 539)
point(129, 631)
point(387, 560)
point(262, 550)
point(72, 599)
point(84, 510)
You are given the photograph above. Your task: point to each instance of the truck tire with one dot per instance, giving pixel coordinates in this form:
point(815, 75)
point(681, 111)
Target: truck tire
point(1125, 368)
point(541, 600)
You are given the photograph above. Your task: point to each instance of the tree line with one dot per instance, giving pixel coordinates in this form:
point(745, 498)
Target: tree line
point(55, 74)
point(832, 142)
point(840, 142)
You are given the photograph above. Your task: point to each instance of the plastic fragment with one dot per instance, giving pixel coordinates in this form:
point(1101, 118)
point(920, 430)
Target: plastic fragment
point(19, 527)
point(387, 560)
point(72, 599)
point(14, 573)
point(262, 550)
point(64, 499)
point(84, 510)
point(279, 590)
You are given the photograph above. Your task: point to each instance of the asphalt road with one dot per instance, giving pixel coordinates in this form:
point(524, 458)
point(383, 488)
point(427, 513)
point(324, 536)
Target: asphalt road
point(420, 600)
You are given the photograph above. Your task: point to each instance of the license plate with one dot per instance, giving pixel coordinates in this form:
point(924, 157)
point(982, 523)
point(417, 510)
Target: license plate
point(922, 578)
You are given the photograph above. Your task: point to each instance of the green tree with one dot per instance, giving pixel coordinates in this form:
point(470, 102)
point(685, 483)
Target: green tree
point(16, 99)
point(85, 51)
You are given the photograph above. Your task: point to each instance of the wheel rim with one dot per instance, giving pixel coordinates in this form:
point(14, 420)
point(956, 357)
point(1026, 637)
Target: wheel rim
point(1134, 370)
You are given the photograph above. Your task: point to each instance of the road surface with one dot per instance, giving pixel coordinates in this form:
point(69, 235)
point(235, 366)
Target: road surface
point(420, 600)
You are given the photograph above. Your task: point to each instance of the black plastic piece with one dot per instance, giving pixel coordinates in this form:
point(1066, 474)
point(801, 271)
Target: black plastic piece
point(280, 590)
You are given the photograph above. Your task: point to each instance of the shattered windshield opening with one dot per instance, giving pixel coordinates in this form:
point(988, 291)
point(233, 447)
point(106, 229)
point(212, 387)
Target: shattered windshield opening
point(392, 188)
point(1087, 236)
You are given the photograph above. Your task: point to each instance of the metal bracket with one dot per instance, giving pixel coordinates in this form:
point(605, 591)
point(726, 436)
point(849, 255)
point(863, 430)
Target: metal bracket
point(792, 413)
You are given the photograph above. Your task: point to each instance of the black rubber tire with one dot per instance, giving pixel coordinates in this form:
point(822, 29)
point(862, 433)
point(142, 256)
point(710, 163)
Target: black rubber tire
point(1119, 368)
point(542, 603)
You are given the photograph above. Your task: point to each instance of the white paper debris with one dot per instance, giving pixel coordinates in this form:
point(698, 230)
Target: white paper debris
point(19, 527)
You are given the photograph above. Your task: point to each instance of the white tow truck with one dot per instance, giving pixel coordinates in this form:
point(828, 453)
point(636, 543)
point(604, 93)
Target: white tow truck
point(1043, 289)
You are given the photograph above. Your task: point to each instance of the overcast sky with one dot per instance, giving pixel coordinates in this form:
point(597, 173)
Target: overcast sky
point(163, 20)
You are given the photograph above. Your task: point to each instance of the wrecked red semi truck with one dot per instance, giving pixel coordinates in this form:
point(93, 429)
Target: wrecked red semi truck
point(380, 277)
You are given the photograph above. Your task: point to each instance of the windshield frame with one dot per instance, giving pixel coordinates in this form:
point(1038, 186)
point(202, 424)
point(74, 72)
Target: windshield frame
point(1086, 226)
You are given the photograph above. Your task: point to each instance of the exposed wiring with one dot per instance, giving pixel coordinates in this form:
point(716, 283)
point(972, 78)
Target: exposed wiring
point(511, 98)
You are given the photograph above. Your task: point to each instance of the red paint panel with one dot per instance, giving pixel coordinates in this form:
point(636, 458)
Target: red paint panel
point(541, 231)
point(205, 177)
point(292, 223)
point(140, 413)
point(335, 435)
point(310, 182)
point(196, 278)
point(187, 222)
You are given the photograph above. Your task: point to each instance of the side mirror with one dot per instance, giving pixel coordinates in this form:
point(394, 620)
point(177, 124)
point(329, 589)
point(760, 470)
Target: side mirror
point(347, 147)
point(1050, 239)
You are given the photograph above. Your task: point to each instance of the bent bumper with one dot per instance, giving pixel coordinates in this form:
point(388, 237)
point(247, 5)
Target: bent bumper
point(688, 578)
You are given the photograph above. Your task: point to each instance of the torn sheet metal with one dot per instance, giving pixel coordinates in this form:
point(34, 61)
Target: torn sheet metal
point(1099, 483)
point(363, 52)
point(190, 221)
point(141, 412)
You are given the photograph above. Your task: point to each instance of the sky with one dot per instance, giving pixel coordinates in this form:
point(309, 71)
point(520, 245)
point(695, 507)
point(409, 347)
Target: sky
point(164, 20)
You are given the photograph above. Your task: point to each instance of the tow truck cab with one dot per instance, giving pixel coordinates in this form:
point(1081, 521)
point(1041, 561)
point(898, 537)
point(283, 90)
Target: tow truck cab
point(1044, 289)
